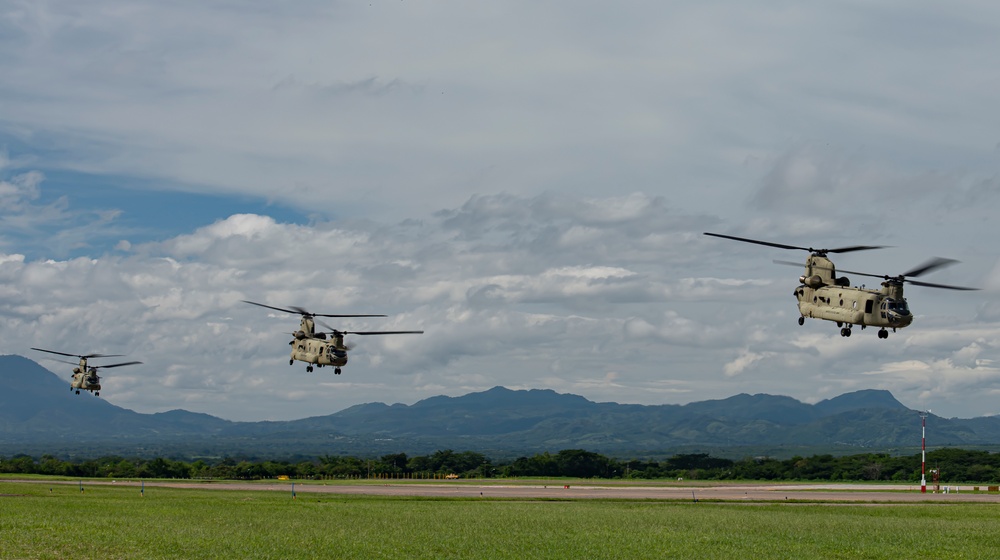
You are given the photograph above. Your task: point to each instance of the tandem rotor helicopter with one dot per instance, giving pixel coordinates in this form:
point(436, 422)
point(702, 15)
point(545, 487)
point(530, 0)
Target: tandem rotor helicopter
point(85, 376)
point(322, 348)
point(821, 295)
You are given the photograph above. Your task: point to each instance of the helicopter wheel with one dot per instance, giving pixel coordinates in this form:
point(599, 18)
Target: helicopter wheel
point(802, 321)
point(97, 393)
point(845, 332)
point(77, 391)
point(309, 369)
point(292, 361)
point(337, 371)
point(883, 333)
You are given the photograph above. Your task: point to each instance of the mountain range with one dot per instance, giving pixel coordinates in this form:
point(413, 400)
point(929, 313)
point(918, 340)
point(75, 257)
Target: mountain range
point(39, 415)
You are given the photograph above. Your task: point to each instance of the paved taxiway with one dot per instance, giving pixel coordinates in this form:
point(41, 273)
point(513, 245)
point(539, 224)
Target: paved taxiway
point(857, 493)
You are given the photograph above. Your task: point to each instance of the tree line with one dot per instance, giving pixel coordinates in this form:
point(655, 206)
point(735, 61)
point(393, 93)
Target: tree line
point(954, 465)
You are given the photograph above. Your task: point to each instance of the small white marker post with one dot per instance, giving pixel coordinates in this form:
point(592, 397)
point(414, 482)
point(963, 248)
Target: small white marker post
point(923, 450)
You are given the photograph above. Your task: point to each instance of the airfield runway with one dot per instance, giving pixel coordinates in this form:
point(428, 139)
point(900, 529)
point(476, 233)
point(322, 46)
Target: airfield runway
point(824, 493)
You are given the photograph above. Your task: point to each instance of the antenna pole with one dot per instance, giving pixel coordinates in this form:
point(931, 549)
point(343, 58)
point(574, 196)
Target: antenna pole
point(923, 451)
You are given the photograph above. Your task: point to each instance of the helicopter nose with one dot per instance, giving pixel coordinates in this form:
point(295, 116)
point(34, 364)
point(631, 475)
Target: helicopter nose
point(900, 320)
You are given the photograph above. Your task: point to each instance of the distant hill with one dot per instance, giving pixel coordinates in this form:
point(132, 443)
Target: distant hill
point(39, 414)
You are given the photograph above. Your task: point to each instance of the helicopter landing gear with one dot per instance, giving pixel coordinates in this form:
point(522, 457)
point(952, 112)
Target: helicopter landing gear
point(802, 321)
point(309, 369)
point(846, 331)
point(97, 393)
point(883, 333)
point(337, 371)
point(291, 361)
point(77, 391)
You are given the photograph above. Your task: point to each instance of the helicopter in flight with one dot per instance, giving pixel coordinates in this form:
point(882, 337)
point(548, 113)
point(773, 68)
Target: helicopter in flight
point(322, 348)
point(84, 375)
point(822, 295)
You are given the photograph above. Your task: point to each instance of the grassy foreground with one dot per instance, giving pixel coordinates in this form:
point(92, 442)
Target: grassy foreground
point(42, 521)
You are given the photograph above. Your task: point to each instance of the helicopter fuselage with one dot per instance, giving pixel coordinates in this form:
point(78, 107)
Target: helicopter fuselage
point(318, 350)
point(853, 306)
point(821, 295)
point(85, 380)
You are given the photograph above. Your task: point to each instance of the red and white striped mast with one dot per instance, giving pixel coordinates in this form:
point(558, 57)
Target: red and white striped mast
point(923, 450)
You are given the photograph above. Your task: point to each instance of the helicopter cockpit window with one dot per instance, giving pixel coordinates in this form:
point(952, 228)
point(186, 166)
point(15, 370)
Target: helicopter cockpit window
point(899, 307)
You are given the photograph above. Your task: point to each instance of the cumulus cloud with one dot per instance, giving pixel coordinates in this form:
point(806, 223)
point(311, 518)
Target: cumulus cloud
point(500, 306)
point(504, 306)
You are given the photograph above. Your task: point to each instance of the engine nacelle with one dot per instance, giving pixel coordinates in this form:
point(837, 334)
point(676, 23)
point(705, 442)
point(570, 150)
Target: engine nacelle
point(814, 281)
point(299, 335)
point(843, 281)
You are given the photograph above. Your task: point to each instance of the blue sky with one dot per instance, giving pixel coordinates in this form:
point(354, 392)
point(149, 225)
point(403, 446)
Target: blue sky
point(528, 183)
point(143, 212)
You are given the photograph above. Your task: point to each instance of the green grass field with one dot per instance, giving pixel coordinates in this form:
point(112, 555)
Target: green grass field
point(58, 521)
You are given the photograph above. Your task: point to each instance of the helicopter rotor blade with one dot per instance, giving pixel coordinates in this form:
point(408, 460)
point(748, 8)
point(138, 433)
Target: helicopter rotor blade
point(942, 286)
point(789, 263)
point(369, 333)
point(746, 240)
point(63, 361)
point(116, 365)
point(882, 276)
point(327, 315)
point(305, 313)
point(795, 247)
point(930, 265)
point(933, 264)
point(54, 352)
point(270, 307)
point(853, 248)
point(79, 355)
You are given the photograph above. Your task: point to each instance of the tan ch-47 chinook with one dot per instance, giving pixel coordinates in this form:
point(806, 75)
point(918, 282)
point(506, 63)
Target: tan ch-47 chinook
point(821, 295)
point(85, 376)
point(322, 348)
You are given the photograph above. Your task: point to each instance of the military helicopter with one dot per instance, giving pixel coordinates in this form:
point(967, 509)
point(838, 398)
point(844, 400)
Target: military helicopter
point(322, 348)
point(822, 295)
point(85, 376)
